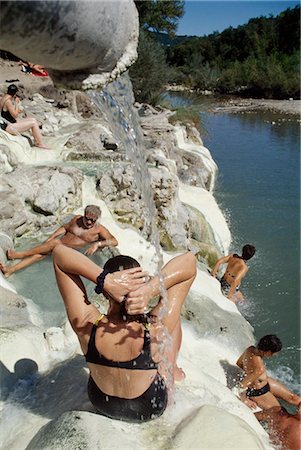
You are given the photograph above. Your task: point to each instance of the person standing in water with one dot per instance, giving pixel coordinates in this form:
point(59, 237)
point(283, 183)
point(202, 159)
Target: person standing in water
point(125, 347)
point(235, 271)
point(258, 389)
point(10, 107)
point(78, 233)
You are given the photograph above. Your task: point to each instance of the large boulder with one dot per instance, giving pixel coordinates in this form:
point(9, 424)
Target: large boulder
point(72, 39)
point(34, 197)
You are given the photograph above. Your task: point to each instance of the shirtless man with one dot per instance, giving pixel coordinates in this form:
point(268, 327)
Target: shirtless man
point(79, 232)
point(235, 271)
point(258, 389)
point(284, 428)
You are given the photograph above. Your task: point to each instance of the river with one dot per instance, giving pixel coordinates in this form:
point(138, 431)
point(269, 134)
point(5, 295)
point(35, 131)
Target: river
point(257, 188)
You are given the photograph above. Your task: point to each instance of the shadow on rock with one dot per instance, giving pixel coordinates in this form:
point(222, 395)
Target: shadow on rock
point(233, 373)
point(62, 389)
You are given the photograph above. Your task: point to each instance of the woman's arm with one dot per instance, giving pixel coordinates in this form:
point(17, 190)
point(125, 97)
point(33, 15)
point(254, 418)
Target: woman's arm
point(13, 110)
point(175, 279)
point(220, 262)
point(70, 265)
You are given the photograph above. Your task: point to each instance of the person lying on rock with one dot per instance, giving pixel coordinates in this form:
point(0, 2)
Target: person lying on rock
point(235, 271)
point(258, 389)
point(79, 232)
point(126, 349)
point(284, 428)
point(10, 109)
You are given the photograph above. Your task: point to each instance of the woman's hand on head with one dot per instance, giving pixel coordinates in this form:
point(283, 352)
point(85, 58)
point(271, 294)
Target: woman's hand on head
point(137, 300)
point(119, 284)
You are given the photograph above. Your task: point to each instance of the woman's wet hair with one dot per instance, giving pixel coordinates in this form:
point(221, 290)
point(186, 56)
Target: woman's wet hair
point(12, 89)
point(120, 262)
point(270, 343)
point(248, 251)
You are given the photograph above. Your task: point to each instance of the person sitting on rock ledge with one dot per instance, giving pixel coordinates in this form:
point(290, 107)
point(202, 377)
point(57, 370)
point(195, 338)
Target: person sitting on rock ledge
point(123, 348)
point(259, 389)
point(235, 271)
point(77, 233)
point(10, 109)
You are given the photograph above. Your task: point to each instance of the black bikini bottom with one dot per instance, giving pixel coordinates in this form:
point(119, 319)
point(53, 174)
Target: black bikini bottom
point(251, 392)
point(150, 405)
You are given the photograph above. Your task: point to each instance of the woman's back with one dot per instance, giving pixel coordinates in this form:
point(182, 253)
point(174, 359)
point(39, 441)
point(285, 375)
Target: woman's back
point(120, 357)
point(235, 265)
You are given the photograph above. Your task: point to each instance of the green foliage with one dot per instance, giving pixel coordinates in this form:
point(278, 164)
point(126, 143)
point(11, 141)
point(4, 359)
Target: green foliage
point(260, 58)
point(150, 73)
point(159, 15)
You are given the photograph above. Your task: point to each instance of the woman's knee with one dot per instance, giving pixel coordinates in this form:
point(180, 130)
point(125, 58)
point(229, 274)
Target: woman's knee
point(190, 260)
point(32, 122)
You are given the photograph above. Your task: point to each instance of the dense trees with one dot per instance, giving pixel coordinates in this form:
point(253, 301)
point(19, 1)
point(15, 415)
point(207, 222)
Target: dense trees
point(151, 73)
point(160, 16)
point(261, 58)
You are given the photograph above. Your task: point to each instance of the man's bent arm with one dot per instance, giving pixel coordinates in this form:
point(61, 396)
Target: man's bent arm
point(58, 232)
point(105, 238)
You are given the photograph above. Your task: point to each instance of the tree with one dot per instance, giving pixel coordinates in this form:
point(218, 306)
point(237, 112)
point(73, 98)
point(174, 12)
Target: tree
point(150, 72)
point(160, 15)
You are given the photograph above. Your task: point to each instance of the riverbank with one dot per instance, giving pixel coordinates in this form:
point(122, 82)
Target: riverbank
point(289, 107)
point(236, 104)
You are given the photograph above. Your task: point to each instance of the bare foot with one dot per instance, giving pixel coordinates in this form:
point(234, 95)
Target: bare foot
point(10, 254)
point(4, 270)
point(42, 146)
point(178, 374)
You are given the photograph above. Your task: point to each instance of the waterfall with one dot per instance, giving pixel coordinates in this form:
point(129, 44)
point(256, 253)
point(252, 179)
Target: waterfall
point(116, 103)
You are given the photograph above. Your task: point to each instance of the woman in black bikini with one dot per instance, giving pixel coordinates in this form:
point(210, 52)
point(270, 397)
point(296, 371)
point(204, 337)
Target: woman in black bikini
point(234, 273)
point(258, 389)
point(10, 109)
point(123, 348)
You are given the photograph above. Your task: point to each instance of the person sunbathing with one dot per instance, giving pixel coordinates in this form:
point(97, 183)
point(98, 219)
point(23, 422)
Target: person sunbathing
point(125, 347)
point(78, 233)
point(10, 109)
point(35, 69)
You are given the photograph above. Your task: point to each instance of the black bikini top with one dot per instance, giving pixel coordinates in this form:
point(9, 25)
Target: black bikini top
point(7, 115)
point(143, 361)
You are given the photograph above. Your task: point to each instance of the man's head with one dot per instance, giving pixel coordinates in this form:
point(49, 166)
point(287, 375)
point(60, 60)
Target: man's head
point(12, 89)
point(91, 214)
point(248, 251)
point(269, 344)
